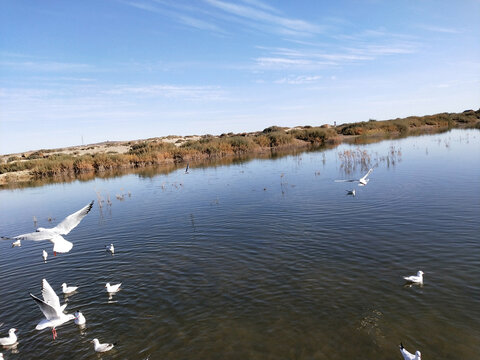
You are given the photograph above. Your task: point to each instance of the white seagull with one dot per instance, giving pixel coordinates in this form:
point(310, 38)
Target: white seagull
point(409, 356)
point(55, 234)
point(10, 340)
point(1, 356)
point(416, 279)
point(44, 255)
point(50, 306)
point(361, 182)
point(68, 289)
point(17, 243)
point(110, 248)
point(102, 347)
point(79, 318)
point(112, 288)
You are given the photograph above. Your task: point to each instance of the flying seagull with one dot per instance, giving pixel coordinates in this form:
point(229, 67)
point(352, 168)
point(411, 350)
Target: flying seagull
point(55, 234)
point(416, 279)
point(361, 182)
point(409, 356)
point(50, 306)
point(102, 347)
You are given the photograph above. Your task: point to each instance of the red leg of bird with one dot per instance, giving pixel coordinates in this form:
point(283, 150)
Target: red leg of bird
point(54, 253)
point(54, 333)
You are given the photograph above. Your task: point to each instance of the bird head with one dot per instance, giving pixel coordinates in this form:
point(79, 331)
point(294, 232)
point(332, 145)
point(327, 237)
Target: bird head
point(12, 331)
point(420, 273)
point(107, 284)
point(418, 355)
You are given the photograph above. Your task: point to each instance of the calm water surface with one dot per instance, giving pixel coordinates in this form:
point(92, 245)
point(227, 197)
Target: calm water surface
point(265, 259)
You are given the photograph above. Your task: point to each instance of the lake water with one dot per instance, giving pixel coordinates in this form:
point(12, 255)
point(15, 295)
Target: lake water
point(261, 259)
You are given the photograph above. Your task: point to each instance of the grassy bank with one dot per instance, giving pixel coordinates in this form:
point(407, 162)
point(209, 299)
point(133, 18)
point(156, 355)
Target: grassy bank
point(50, 163)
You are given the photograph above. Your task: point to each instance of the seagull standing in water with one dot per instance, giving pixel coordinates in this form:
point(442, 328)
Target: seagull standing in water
point(17, 243)
point(10, 339)
point(416, 279)
point(409, 356)
point(102, 347)
point(68, 289)
point(111, 289)
point(50, 306)
point(79, 318)
point(55, 234)
point(361, 182)
point(110, 248)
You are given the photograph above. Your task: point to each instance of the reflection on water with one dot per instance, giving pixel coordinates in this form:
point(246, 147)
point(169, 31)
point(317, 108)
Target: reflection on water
point(261, 258)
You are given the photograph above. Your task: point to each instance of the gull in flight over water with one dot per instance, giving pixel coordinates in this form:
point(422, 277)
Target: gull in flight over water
point(409, 356)
point(102, 347)
point(361, 182)
point(50, 306)
point(10, 339)
point(68, 289)
point(416, 279)
point(55, 234)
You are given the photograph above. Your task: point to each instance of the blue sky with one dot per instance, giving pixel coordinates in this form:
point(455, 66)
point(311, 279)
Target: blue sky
point(130, 69)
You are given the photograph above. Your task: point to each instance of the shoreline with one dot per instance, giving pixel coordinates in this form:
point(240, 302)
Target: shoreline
point(90, 161)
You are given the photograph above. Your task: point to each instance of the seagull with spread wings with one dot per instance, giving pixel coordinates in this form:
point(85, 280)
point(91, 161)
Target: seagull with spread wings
point(55, 234)
point(50, 307)
point(361, 182)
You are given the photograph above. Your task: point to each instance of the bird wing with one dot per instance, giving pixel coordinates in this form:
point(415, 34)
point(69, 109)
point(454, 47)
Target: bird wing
point(49, 296)
point(72, 220)
point(37, 235)
point(346, 180)
point(366, 175)
point(407, 355)
point(47, 310)
point(60, 244)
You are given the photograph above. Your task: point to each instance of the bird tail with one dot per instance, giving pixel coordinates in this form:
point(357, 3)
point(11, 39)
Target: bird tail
point(401, 346)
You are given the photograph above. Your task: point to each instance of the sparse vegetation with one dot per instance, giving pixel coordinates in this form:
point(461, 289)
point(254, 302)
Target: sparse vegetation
point(49, 163)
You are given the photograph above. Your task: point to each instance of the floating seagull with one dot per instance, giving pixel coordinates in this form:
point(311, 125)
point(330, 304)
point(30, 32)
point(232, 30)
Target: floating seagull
point(362, 181)
point(409, 356)
point(102, 347)
point(350, 192)
point(188, 167)
point(17, 243)
point(112, 288)
point(416, 279)
point(10, 340)
point(110, 248)
point(50, 306)
point(79, 318)
point(1, 356)
point(44, 255)
point(68, 289)
point(55, 234)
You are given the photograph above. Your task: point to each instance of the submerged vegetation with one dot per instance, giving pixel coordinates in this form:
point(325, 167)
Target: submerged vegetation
point(157, 151)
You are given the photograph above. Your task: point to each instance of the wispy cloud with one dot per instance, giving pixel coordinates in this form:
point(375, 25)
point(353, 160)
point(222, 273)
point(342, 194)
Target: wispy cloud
point(440, 29)
point(267, 16)
point(299, 80)
point(169, 91)
point(45, 66)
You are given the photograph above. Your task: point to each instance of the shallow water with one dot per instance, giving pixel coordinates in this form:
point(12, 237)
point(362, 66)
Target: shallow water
point(263, 259)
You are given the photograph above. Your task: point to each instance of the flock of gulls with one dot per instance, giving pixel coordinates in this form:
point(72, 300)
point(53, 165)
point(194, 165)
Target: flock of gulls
point(411, 280)
point(54, 312)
